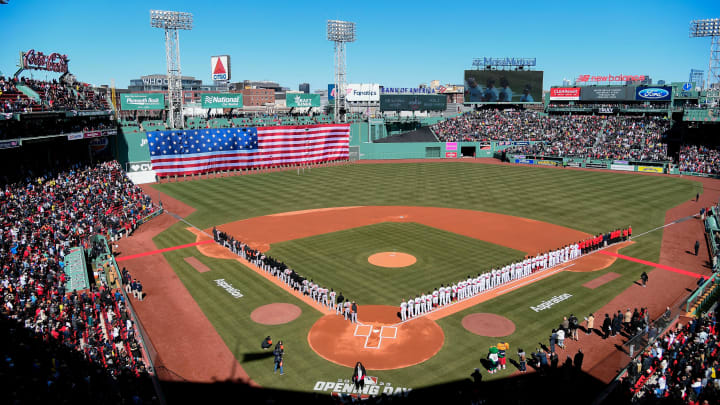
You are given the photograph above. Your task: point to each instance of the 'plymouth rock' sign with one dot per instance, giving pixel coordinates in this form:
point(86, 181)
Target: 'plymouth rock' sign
point(54, 62)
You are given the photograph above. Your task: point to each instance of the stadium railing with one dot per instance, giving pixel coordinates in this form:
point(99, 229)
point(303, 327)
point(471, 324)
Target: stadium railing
point(635, 347)
point(149, 350)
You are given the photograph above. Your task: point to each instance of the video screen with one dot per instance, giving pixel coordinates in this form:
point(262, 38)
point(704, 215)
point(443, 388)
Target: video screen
point(503, 86)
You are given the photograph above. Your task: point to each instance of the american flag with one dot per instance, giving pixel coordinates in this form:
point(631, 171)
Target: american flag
point(208, 150)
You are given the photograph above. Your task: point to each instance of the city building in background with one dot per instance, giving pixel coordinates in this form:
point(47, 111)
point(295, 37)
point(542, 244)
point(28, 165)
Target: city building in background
point(697, 76)
point(304, 87)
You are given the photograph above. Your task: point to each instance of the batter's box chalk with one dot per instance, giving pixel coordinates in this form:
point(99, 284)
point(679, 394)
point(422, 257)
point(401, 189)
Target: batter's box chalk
point(363, 330)
point(388, 332)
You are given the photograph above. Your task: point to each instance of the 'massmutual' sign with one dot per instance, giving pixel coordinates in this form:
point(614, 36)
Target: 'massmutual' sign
point(228, 287)
point(552, 301)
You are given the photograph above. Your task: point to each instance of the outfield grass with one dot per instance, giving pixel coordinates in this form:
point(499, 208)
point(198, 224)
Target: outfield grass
point(339, 259)
point(583, 200)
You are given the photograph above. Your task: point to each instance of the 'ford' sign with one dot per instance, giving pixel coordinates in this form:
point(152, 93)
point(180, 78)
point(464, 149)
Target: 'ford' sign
point(653, 93)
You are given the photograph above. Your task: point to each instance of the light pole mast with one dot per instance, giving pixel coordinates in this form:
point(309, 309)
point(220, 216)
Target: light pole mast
point(710, 27)
point(340, 32)
point(171, 22)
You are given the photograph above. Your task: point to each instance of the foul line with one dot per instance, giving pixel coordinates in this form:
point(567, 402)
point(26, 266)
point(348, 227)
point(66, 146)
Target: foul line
point(677, 221)
point(123, 258)
point(651, 264)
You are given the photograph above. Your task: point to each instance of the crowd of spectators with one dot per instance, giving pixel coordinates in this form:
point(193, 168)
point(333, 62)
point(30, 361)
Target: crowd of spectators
point(699, 159)
point(679, 367)
point(585, 136)
point(615, 107)
point(40, 220)
point(55, 95)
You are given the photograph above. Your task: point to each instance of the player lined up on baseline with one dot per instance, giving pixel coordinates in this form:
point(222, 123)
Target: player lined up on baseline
point(321, 295)
point(467, 288)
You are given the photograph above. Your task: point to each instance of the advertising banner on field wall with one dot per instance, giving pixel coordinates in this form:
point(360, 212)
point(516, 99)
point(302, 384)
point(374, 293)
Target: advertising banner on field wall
point(363, 92)
point(142, 101)
point(221, 100)
point(596, 165)
point(565, 93)
point(451, 146)
point(450, 154)
point(525, 161)
point(626, 168)
point(302, 100)
point(656, 93)
point(10, 144)
point(600, 93)
point(547, 162)
point(650, 169)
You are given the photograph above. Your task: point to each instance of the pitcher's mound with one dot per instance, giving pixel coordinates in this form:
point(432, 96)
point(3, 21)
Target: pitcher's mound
point(392, 259)
point(485, 324)
point(275, 314)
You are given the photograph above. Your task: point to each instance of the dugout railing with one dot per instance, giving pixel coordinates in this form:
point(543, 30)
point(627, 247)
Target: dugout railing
point(631, 349)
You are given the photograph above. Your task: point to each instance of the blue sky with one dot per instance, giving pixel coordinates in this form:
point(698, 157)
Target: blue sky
point(399, 43)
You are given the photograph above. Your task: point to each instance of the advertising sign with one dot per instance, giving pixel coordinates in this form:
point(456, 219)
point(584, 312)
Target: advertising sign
point(650, 169)
point(609, 78)
point(302, 100)
point(413, 103)
point(142, 101)
point(626, 168)
point(133, 167)
point(331, 92)
point(606, 110)
point(9, 144)
point(54, 62)
point(365, 92)
point(547, 163)
point(221, 100)
point(220, 67)
point(450, 145)
point(525, 161)
point(599, 93)
point(450, 154)
point(503, 86)
point(565, 93)
point(657, 93)
point(407, 90)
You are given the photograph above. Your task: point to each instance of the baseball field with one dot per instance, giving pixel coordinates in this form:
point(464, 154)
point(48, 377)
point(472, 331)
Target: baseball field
point(455, 219)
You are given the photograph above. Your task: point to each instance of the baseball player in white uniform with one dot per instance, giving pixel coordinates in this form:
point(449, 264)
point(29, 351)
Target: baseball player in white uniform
point(428, 302)
point(403, 310)
point(441, 297)
point(448, 295)
point(417, 306)
point(411, 307)
point(435, 298)
point(332, 299)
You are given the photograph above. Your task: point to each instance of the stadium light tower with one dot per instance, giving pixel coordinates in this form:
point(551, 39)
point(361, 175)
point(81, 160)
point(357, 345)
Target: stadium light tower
point(710, 27)
point(171, 22)
point(340, 32)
